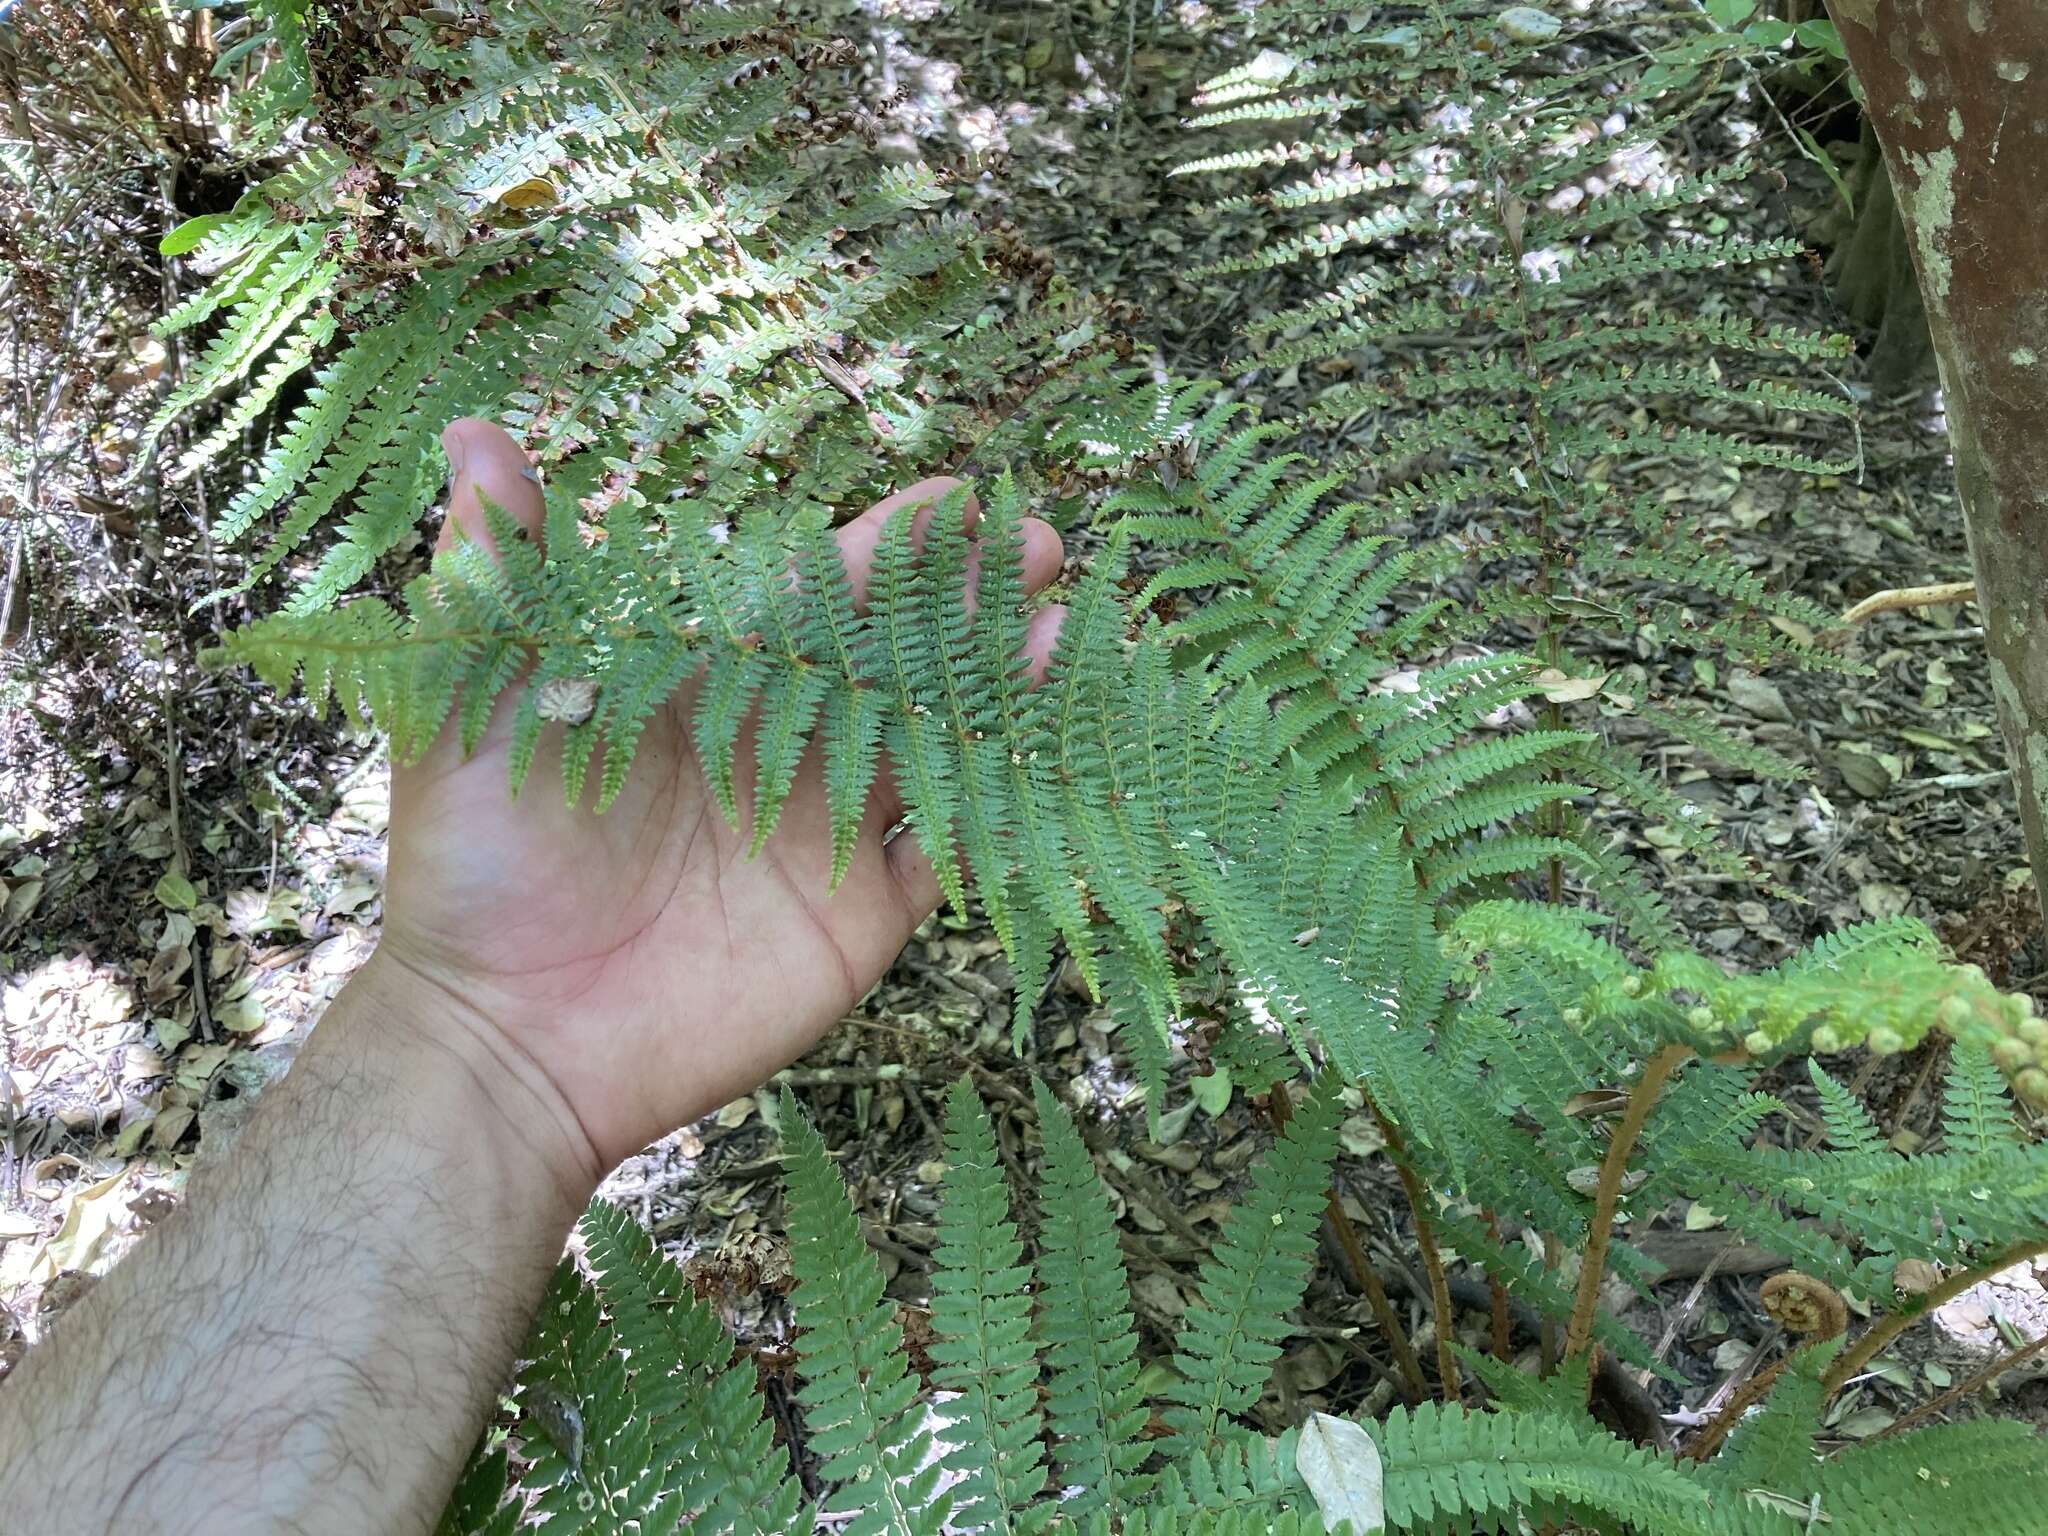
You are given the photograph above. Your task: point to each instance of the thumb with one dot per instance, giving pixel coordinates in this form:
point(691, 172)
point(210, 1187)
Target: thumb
point(485, 464)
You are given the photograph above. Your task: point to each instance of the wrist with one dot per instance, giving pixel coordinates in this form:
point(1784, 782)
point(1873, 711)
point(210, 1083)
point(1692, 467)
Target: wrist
point(460, 1069)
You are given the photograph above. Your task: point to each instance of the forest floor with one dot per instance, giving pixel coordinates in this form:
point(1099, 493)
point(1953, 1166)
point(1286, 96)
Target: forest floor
point(193, 866)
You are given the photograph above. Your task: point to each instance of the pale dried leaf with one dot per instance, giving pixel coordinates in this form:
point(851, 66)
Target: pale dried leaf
point(1341, 1465)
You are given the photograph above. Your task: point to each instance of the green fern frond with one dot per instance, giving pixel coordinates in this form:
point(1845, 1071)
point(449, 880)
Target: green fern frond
point(1093, 1405)
point(478, 1506)
point(859, 1398)
point(1977, 1113)
point(270, 298)
point(1444, 1464)
point(1772, 1449)
point(1699, 729)
point(1254, 1276)
point(983, 1348)
point(592, 1461)
point(1849, 1125)
point(1988, 1475)
point(704, 1404)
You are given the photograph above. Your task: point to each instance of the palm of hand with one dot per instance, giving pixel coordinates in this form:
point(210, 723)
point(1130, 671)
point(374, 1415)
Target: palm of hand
point(645, 965)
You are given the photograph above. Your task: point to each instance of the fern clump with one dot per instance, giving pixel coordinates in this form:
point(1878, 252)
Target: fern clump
point(1519, 302)
point(632, 1414)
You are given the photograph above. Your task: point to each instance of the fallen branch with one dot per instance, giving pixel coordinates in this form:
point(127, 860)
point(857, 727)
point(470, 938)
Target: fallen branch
point(1894, 598)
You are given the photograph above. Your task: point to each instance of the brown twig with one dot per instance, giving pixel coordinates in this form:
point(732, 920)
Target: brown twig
point(1497, 1295)
point(1895, 598)
point(1641, 1099)
point(1547, 1339)
point(1976, 1381)
point(1368, 1281)
point(1885, 1329)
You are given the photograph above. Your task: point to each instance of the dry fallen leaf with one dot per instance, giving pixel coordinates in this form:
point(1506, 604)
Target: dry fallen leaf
point(736, 1114)
point(529, 196)
point(1561, 689)
point(1758, 696)
point(570, 700)
point(1341, 1465)
point(89, 1219)
point(1915, 1277)
point(1586, 1180)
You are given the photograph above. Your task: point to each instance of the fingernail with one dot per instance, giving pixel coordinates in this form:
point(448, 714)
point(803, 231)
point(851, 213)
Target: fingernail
point(530, 473)
point(457, 450)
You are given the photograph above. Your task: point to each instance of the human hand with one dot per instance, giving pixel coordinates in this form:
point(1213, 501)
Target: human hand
point(635, 969)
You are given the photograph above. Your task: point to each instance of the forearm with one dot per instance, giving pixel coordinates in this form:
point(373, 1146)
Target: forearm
point(311, 1343)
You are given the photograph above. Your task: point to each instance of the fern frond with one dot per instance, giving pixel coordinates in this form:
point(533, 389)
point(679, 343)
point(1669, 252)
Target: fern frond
point(703, 1405)
point(859, 1399)
point(1230, 1336)
point(1444, 1464)
point(983, 1347)
point(1093, 1405)
point(1987, 1475)
point(478, 1506)
point(592, 1459)
point(1977, 1114)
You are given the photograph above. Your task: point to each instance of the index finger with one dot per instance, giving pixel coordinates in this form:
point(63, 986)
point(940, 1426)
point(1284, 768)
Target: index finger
point(859, 539)
point(1040, 558)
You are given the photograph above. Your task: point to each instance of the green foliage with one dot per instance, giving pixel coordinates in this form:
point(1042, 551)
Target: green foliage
point(1250, 1281)
point(1982, 1193)
point(1519, 306)
point(981, 1319)
point(633, 1418)
point(1093, 1405)
point(860, 1401)
point(1269, 794)
point(516, 215)
point(685, 1377)
point(1215, 786)
point(1508, 1061)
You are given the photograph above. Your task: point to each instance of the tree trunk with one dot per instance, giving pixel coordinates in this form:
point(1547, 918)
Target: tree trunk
point(1872, 278)
point(1958, 93)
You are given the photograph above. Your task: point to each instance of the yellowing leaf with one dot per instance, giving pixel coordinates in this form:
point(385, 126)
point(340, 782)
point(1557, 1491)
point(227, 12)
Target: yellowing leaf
point(530, 195)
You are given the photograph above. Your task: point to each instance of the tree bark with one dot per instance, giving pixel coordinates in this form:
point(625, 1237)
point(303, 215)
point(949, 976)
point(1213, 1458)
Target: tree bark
point(1958, 93)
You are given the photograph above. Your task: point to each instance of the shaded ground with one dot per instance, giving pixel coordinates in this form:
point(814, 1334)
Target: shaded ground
point(141, 1015)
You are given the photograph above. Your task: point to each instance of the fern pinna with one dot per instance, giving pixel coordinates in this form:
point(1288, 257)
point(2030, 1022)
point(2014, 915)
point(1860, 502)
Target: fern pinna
point(1517, 315)
point(634, 1414)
